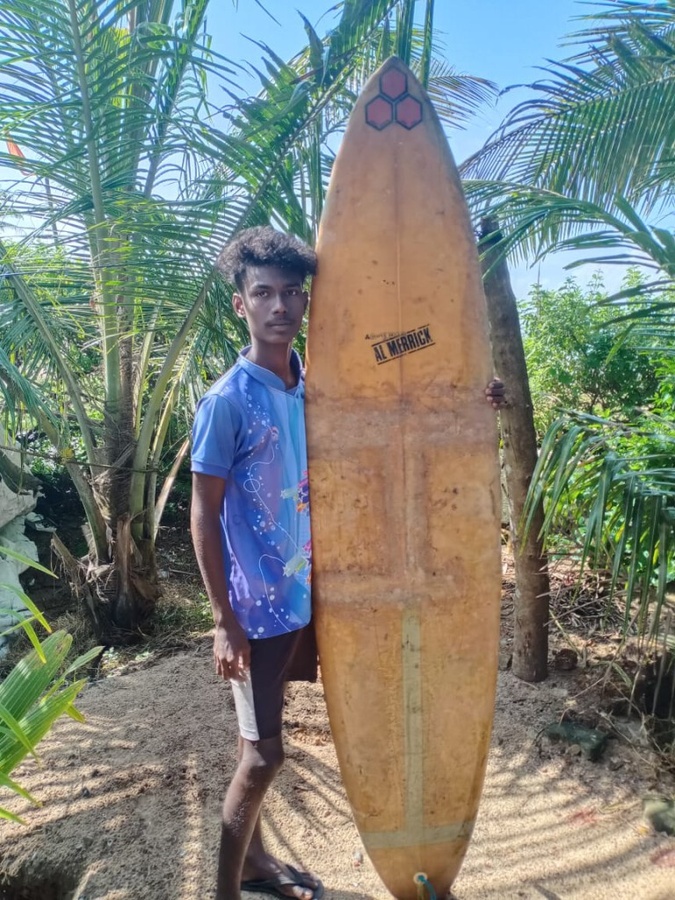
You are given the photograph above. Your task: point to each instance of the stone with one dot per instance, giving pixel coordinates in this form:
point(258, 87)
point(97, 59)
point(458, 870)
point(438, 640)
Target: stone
point(13, 511)
point(13, 505)
point(591, 742)
point(660, 813)
point(505, 659)
point(565, 660)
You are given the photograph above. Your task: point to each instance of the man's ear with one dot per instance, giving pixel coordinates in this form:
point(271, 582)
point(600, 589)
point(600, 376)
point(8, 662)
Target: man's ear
point(305, 294)
point(238, 305)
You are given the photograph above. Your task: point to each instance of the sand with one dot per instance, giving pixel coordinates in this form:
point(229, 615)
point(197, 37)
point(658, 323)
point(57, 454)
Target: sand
point(131, 800)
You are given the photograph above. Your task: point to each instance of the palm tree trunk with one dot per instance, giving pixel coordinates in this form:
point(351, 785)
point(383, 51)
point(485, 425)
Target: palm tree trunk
point(530, 640)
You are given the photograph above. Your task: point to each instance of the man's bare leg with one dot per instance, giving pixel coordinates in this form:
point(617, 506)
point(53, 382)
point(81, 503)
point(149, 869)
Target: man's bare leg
point(259, 762)
point(242, 853)
point(261, 864)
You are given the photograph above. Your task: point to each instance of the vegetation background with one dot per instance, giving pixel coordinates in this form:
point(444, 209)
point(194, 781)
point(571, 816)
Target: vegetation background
point(133, 149)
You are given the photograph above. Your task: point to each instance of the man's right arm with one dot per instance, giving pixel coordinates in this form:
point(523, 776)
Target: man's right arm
point(231, 648)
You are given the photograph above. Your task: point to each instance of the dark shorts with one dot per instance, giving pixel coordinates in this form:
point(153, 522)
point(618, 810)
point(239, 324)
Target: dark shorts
point(260, 699)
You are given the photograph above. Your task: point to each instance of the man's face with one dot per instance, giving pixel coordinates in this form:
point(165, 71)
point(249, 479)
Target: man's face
point(273, 303)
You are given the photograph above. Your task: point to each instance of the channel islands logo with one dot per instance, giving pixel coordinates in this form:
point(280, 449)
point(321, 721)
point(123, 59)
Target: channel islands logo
point(393, 346)
point(394, 103)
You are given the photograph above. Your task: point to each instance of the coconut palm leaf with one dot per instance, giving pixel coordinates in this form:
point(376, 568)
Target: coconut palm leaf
point(32, 697)
point(619, 506)
point(598, 132)
point(120, 164)
point(35, 615)
point(536, 222)
point(456, 96)
point(22, 625)
point(618, 21)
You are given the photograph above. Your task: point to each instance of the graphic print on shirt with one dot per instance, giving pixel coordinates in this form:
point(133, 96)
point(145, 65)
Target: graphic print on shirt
point(301, 561)
point(280, 508)
point(249, 430)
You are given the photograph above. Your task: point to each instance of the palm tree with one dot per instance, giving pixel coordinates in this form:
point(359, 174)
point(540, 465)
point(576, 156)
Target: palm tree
point(134, 179)
point(588, 165)
point(583, 164)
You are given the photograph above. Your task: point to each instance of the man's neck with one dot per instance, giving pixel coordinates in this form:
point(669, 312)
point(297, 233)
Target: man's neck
point(276, 358)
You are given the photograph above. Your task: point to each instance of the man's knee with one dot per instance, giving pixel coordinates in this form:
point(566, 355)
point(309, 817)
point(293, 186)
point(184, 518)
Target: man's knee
point(263, 759)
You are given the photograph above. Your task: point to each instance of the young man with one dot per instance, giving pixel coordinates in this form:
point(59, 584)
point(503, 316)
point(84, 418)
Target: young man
point(250, 529)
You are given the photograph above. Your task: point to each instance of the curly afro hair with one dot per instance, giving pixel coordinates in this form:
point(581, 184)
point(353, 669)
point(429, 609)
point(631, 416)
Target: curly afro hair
point(265, 246)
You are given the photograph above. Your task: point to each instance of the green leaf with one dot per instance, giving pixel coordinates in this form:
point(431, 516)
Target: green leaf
point(6, 814)
point(27, 561)
point(27, 602)
point(15, 729)
point(316, 48)
point(25, 624)
point(22, 792)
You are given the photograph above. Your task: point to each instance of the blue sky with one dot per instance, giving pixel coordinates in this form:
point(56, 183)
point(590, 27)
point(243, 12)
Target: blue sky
point(502, 40)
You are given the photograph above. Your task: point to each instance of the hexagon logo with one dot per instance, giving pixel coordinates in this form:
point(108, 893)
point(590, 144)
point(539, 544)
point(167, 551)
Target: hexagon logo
point(379, 113)
point(408, 112)
point(393, 83)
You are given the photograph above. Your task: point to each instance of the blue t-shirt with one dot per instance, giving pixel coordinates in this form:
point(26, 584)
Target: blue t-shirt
point(250, 430)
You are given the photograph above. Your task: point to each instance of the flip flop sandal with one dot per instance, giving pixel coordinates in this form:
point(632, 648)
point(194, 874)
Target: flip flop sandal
point(274, 886)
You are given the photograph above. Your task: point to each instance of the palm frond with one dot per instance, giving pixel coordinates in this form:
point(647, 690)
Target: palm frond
point(619, 506)
point(456, 96)
point(600, 129)
point(32, 697)
point(536, 222)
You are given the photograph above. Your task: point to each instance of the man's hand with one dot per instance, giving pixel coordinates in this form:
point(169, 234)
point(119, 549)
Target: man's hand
point(231, 652)
point(231, 649)
point(495, 394)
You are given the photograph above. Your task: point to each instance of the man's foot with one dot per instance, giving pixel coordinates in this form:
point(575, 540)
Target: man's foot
point(286, 881)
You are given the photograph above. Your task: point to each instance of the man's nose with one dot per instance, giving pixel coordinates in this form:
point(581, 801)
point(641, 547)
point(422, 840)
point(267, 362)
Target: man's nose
point(279, 303)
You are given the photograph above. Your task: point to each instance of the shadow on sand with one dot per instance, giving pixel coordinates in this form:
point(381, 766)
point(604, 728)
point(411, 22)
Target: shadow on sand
point(132, 804)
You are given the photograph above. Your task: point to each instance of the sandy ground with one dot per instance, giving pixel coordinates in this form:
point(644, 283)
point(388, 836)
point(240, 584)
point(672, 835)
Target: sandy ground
point(131, 801)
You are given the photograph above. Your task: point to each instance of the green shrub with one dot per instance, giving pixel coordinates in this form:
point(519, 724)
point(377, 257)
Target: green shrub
point(36, 692)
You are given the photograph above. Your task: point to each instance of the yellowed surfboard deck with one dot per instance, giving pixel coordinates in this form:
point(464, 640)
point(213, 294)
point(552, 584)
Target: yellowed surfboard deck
point(404, 487)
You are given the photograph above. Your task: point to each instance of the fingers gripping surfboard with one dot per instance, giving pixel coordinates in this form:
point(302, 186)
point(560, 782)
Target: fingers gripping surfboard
point(405, 487)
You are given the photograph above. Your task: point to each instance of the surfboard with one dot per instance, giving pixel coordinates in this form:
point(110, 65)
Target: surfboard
point(404, 487)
